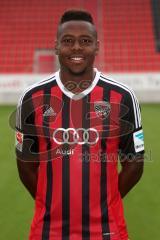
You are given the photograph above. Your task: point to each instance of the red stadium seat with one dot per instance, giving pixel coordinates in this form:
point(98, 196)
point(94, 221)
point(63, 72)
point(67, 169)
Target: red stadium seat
point(125, 30)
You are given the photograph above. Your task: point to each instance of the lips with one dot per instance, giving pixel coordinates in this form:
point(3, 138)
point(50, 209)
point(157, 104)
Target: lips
point(76, 59)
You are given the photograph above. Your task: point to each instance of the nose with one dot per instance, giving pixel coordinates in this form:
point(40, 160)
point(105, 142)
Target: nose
point(76, 45)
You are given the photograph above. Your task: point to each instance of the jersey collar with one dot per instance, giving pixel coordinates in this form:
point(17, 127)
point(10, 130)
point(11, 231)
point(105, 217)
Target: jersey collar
point(81, 94)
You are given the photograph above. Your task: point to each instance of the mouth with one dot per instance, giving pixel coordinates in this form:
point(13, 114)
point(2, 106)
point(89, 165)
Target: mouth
point(76, 59)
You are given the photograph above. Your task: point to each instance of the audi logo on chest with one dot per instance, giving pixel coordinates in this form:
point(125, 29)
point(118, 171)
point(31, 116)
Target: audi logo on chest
point(79, 136)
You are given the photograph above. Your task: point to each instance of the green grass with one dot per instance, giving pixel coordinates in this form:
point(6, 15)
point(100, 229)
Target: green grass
point(142, 204)
point(16, 204)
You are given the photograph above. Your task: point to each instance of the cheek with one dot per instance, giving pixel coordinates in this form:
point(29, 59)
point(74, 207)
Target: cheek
point(91, 51)
point(63, 49)
point(91, 55)
point(62, 53)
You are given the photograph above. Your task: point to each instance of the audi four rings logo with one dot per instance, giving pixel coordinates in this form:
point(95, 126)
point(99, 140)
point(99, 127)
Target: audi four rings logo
point(80, 136)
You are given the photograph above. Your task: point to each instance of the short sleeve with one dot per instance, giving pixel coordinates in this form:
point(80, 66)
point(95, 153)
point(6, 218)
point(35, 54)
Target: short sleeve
point(131, 133)
point(26, 137)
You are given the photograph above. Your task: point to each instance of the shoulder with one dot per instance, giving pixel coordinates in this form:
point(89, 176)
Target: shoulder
point(25, 103)
point(129, 98)
point(127, 92)
point(28, 92)
point(114, 84)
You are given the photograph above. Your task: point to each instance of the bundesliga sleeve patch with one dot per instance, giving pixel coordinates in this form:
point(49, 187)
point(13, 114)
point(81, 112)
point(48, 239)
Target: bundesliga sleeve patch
point(138, 138)
point(19, 141)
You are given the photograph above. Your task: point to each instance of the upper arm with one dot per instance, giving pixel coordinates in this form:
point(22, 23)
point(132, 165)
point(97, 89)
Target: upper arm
point(26, 137)
point(131, 145)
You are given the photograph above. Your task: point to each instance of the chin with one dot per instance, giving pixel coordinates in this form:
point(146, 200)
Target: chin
point(77, 72)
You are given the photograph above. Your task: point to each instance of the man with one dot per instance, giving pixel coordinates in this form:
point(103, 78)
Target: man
point(71, 129)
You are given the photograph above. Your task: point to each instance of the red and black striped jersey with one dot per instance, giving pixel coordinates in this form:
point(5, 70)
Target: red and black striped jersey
point(77, 140)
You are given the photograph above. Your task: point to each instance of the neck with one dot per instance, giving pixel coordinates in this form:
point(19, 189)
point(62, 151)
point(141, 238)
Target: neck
point(77, 83)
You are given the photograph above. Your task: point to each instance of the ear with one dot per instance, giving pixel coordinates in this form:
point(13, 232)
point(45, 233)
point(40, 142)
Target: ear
point(56, 49)
point(97, 47)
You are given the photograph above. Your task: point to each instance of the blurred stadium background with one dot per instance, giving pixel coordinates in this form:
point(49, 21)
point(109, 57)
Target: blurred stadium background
point(129, 32)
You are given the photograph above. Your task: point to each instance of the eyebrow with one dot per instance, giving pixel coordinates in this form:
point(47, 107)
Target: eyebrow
point(70, 35)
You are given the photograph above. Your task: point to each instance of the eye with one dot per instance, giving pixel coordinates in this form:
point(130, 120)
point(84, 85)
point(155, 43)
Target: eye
point(86, 41)
point(67, 41)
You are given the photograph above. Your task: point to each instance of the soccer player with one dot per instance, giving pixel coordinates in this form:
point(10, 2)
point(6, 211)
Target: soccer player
point(71, 130)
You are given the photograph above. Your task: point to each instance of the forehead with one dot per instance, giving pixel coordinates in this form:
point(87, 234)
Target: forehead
point(76, 28)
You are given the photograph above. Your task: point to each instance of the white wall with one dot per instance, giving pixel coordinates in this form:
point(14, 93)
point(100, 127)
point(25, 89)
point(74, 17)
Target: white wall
point(145, 85)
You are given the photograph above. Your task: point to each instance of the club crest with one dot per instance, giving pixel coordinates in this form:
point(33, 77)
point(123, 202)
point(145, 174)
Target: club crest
point(102, 109)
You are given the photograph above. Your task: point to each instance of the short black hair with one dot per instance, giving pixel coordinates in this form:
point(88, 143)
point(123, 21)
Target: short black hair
point(76, 15)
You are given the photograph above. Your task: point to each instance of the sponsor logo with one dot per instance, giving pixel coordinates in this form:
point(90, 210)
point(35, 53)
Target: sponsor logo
point(102, 109)
point(49, 112)
point(79, 136)
point(19, 140)
point(138, 138)
point(65, 152)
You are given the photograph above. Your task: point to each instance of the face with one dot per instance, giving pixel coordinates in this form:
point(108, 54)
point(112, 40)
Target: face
point(76, 46)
